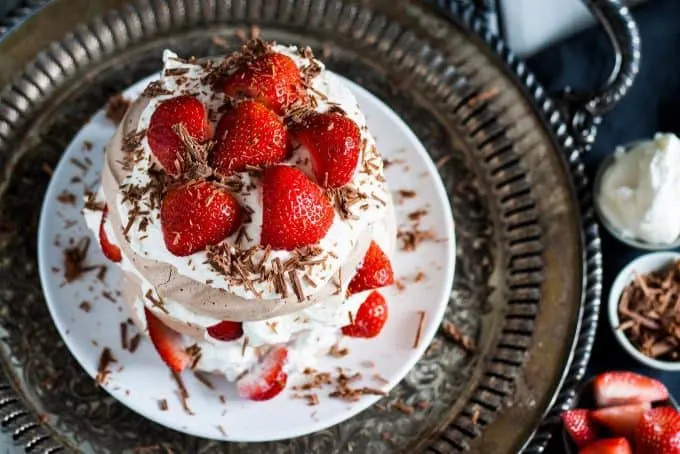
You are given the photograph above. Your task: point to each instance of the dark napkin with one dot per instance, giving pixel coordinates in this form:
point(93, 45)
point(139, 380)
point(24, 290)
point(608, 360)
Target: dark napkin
point(653, 104)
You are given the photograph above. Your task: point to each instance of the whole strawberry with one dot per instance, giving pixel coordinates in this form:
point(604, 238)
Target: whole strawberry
point(375, 271)
point(334, 143)
point(370, 319)
point(249, 134)
point(183, 113)
point(272, 79)
point(295, 211)
point(658, 432)
point(198, 214)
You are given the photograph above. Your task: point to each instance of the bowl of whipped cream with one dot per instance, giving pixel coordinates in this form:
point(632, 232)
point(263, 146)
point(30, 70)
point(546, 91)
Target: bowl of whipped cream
point(637, 193)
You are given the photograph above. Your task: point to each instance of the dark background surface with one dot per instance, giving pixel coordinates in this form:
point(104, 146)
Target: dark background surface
point(653, 104)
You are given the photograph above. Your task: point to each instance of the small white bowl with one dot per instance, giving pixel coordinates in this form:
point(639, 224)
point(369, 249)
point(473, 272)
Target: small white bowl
point(642, 265)
point(614, 230)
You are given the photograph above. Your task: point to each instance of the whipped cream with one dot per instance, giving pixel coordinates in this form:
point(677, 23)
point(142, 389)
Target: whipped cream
point(640, 190)
point(344, 234)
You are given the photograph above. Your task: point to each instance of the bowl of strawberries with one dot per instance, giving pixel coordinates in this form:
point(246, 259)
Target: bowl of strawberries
point(622, 413)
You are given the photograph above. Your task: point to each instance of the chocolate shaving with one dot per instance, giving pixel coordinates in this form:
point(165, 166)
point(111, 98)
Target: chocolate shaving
point(204, 380)
point(338, 352)
point(411, 239)
point(419, 331)
point(403, 407)
point(452, 332)
point(183, 393)
point(105, 359)
point(163, 405)
point(134, 342)
point(155, 301)
point(124, 335)
point(649, 315)
point(73, 260)
point(116, 108)
point(155, 89)
point(85, 306)
point(67, 198)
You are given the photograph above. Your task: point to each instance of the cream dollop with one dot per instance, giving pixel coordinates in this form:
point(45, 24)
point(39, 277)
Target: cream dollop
point(640, 190)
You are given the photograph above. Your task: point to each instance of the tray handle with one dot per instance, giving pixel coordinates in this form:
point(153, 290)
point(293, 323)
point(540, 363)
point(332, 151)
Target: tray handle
point(586, 108)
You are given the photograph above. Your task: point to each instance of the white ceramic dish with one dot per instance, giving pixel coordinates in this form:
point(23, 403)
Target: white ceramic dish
point(140, 380)
point(644, 264)
point(611, 228)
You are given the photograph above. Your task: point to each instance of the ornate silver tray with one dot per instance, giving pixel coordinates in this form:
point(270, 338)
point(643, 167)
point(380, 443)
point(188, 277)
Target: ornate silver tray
point(527, 284)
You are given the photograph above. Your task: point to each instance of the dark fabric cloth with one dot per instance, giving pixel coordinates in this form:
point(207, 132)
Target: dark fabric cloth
point(653, 104)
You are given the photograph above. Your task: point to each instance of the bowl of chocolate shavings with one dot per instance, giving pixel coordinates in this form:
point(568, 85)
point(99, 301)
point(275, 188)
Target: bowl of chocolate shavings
point(644, 309)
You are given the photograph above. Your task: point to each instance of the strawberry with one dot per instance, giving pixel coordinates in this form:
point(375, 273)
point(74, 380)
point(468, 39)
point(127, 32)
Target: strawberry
point(622, 419)
point(333, 141)
point(370, 318)
point(608, 446)
point(658, 432)
point(374, 272)
point(249, 134)
point(295, 210)
point(168, 343)
point(272, 79)
point(162, 136)
point(198, 214)
point(226, 330)
point(580, 426)
point(110, 250)
point(617, 388)
point(267, 379)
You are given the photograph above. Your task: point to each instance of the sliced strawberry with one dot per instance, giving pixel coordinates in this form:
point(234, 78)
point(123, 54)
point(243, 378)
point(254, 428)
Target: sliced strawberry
point(249, 134)
point(164, 141)
point(226, 330)
point(295, 212)
point(196, 215)
point(272, 79)
point(334, 143)
point(168, 343)
point(267, 379)
point(370, 318)
point(608, 446)
point(658, 432)
point(619, 388)
point(110, 250)
point(580, 426)
point(375, 271)
point(622, 419)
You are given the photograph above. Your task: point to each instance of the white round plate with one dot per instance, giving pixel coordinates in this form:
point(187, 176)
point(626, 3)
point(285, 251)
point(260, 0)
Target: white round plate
point(141, 380)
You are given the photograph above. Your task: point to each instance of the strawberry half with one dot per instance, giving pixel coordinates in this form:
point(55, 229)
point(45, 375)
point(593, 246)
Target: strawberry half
point(619, 388)
point(110, 250)
point(608, 446)
point(375, 271)
point(226, 330)
point(267, 379)
point(196, 215)
point(580, 426)
point(658, 432)
point(272, 79)
point(165, 144)
point(370, 318)
point(333, 141)
point(168, 343)
point(249, 134)
point(622, 419)
point(295, 212)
